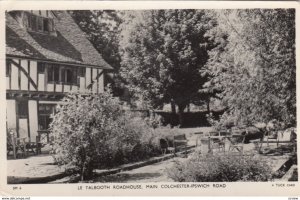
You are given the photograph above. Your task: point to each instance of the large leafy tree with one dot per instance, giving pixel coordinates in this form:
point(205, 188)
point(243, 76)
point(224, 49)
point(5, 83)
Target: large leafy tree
point(163, 53)
point(254, 64)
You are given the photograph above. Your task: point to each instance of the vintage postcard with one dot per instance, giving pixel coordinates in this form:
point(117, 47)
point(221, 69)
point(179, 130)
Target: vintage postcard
point(149, 98)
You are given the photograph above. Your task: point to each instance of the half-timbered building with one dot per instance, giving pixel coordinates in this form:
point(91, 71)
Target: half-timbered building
point(47, 56)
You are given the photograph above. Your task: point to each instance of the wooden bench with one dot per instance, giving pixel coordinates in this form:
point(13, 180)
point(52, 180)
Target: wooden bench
point(180, 142)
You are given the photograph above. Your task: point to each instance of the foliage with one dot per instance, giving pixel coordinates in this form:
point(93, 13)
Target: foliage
point(220, 168)
point(226, 121)
point(154, 121)
point(93, 131)
point(294, 176)
point(254, 64)
point(163, 53)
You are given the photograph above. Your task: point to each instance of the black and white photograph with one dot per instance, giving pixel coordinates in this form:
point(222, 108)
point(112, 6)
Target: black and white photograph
point(151, 96)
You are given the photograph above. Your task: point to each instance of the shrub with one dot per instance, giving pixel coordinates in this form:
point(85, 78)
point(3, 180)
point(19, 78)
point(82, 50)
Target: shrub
point(220, 168)
point(93, 131)
point(225, 120)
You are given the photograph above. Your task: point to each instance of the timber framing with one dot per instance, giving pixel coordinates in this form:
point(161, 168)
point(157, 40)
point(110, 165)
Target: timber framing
point(37, 95)
point(20, 68)
point(58, 62)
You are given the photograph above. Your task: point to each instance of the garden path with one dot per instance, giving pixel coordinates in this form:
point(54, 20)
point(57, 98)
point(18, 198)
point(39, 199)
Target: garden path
point(34, 166)
point(152, 173)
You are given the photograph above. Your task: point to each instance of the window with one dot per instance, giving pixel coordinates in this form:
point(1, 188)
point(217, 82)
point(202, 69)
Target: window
point(33, 22)
point(45, 112)
point(53, 73)
point(41, 68)
point(62, 74)
point(81, 72)
point(46, 24)
point(8, 68)
point(22, 109)
point(68, 75)
point(38, 23)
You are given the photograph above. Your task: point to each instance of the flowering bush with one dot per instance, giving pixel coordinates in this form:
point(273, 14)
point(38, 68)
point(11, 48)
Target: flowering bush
point(94, 132)
point(220, 168)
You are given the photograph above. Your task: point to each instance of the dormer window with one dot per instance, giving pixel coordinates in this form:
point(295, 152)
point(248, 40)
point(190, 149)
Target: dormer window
point(37, 23)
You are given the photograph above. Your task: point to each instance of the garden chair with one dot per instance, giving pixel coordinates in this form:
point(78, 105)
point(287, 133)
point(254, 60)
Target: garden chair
point(214, 133)
point(236, 143)
point(205, 145)
point(199, 135)
point(30, 147)
point(206, 134)
point(39, 145)
point(20, 145)
point(218, 143)
point(9, 145)
point(272, 137)
point(165, 146)
point(224, 133)
point(218, 140)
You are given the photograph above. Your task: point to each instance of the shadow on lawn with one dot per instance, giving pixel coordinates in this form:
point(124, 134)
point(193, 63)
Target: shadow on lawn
point(125, 177)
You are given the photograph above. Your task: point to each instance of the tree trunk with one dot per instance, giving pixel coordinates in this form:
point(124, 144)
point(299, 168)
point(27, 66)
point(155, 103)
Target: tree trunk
point(207, 105)
point(180, 114)
point(173, 115)
point(173, 107)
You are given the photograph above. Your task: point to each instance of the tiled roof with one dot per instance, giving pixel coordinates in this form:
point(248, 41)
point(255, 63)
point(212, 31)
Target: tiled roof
point(69, 46)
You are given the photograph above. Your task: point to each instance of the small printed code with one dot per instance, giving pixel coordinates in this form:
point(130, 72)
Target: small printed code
point(15, 198)
point(293, 198)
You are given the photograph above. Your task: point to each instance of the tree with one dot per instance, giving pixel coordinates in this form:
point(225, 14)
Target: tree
point(163, 52)
point(254, 64)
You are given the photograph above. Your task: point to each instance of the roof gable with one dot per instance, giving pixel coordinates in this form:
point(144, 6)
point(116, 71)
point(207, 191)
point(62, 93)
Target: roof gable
point(70, 44)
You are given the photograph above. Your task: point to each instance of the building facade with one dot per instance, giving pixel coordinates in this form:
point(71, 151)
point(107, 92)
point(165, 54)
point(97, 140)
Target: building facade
point(47, 57)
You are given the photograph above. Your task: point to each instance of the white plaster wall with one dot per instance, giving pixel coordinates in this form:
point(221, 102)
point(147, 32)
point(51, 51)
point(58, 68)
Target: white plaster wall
point(7, 82)
point(24, 79)
point(50, 87)
point(82, 84)
point(74, 88)
point(58, 88)
point(33, 119)
point(101, 82)
point(95, 73)
point(88, 76)
point(11, 113)
point(66, 88)
point(41, 86)
point(23, 128)
point(14, 76)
